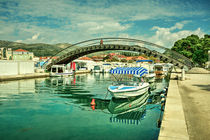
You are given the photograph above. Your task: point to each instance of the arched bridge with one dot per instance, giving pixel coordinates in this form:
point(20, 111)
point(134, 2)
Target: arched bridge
point(75, 51)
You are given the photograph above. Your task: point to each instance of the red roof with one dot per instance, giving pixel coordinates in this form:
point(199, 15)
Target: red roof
point(121, 56)
point(112, 54)
point(54, 57)
point(44, 57)
point(48, 57)
point(141, 58)
point(129, 58)
point(20, 50)
point(85, 58)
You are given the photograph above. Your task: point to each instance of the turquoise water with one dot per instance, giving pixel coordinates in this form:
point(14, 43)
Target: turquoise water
point(56, 108)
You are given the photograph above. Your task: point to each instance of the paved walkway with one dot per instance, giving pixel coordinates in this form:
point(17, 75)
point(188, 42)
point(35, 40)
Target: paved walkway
point(173, 124)
point(195, 94)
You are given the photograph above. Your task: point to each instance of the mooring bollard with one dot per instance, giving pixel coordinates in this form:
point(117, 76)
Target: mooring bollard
point(183, 75)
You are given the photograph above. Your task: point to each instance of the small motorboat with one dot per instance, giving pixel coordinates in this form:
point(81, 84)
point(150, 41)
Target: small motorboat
point(60, 71)
point(125, 89)
point(97, 69)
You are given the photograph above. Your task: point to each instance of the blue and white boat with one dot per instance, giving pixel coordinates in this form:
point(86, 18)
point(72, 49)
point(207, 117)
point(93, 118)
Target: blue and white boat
point(132, 84)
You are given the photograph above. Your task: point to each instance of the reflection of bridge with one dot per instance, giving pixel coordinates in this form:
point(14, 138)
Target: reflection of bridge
point(77, 50)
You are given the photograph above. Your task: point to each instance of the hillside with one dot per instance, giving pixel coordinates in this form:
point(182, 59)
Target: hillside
point(39, 49)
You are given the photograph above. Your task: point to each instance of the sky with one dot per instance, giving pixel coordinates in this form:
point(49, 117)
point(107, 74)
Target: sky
point(71, 21)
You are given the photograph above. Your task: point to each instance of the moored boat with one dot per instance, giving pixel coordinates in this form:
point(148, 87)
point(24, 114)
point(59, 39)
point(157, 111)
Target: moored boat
point(125, 91)
point(148, 64)
point(60, 71)
point(123, 88)
point(97, 69)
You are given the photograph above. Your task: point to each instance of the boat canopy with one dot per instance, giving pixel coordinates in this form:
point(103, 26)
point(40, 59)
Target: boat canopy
point(144, 61)
point(106, 64)
point(138, 71)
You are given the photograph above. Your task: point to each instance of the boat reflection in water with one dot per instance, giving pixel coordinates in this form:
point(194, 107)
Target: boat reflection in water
point(128, 111)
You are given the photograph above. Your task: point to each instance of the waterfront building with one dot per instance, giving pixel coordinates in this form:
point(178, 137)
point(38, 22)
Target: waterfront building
point(129, 58)
point(5, 54)
point(1, 53)
point(121, 57)
point(36, 59)
point(141, 58)
point(49, 59)
point(97, 58)
point(8, 53)
point(21, 54)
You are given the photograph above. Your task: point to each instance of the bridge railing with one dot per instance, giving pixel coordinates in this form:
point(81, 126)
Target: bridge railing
point(112, 40)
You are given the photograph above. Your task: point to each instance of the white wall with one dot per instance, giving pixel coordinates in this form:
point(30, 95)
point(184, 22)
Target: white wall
point(26, 67)
point(16, 67)
point(8, 67)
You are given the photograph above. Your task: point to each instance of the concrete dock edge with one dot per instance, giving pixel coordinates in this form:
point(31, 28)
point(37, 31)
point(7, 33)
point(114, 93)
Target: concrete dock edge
point(173, 125)
point(23, 76)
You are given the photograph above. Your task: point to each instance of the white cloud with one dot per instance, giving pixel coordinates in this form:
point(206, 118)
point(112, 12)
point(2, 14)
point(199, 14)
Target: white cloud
point(77, 21)
point(101, 27)
point(19, 41)
point(34, 37)
point(167, 36)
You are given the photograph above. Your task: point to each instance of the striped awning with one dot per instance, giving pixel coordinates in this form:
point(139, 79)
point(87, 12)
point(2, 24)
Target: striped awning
point(139, 71)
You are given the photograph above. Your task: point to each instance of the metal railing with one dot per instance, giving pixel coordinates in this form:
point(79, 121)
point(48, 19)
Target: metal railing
point(128, 41)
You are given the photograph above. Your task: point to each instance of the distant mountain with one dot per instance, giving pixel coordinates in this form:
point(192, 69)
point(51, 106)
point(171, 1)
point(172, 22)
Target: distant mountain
point(39, 49)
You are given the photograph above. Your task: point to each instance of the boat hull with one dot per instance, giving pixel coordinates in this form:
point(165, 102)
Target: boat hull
point(129, 93)
point(61, 74)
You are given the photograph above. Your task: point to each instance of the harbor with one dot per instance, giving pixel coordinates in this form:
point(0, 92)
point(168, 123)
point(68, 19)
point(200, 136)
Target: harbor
point(63, 105)
point(150, 96)
point(104, 70)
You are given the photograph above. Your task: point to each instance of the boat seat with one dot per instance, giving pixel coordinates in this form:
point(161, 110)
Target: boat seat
point(113, 87)
point(123, 88)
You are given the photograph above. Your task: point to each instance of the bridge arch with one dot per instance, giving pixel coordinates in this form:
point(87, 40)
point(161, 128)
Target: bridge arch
point(78, 52)
point(79, 49)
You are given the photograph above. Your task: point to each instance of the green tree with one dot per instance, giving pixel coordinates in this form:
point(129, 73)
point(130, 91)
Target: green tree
point(114, 59)
point(200, 57)
point(123, 60)
point(194, 48)
point(130, 61)
point(105, 58)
